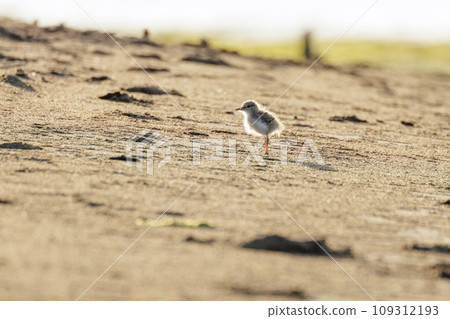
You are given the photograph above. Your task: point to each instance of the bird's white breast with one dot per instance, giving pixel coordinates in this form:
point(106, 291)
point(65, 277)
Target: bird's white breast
point(254, 125)
point(260, 126)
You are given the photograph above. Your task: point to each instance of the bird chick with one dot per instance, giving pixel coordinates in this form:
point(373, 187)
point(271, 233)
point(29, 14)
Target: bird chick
point(260, 122)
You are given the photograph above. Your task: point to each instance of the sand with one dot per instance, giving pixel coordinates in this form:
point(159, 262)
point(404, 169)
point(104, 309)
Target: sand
point(68, 210)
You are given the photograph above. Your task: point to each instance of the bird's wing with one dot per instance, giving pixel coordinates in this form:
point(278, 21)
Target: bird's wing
point(266, 117)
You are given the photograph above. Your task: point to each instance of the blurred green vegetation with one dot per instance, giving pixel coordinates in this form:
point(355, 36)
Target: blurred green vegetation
point(428, 58)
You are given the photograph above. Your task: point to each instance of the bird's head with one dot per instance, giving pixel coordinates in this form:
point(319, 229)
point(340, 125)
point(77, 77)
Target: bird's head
point(248, 106)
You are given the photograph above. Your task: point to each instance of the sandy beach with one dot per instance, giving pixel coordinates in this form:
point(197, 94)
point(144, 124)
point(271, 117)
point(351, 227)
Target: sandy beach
point(70, 205)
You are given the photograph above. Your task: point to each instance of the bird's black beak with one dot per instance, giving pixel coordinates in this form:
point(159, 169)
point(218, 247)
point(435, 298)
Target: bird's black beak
point(238, 109)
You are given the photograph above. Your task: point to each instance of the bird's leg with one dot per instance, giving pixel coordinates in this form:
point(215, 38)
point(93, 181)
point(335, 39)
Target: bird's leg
point(267, 144)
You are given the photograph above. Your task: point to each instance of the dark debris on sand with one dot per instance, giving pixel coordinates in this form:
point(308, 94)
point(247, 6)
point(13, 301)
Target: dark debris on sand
point(148, 56)
point(118, 97)
point(296, 293)
point(98, 78)
point(444, 249)
point(197, 134)
point(145, 116)
point(15, 36)
point(149, 69)
point(224, 132)
point(351, 118)
point(55, 28)
point(442, 270)
point(205, 59)
point(303, 125)
point(407, 123)
point(147, 137)
point(19, 146)
point(124, 158)
point(17, 82)
point(10, 58)
point(192, 239)
point(124, 98)
point(21, 74)
point(141, 41)
point(278, 243)
point(63, 74)
point(5, 33)
point(152, 90)
point(16, 31)
point(101, 52)
point(174, 214)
